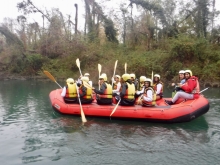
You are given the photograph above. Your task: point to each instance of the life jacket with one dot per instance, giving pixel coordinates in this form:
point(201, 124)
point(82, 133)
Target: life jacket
point(155, 87)
point(108, 92)
point(71, 91)
point(153, 102)
point(130, 91)
point(191, 85)
point(88, 93)
point(197, 88)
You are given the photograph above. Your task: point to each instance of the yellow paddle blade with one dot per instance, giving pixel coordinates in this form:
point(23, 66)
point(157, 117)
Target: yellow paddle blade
point(116, 62)
point(77, 63)
point(49, 75)
point(152, 76)
point(126, 67)
point(87, 85)
point(99, 68)
point(115, 108)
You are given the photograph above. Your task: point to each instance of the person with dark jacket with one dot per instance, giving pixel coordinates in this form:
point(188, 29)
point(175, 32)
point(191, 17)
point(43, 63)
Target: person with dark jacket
point(85, 93)
point(128, 91)
point(104, 94)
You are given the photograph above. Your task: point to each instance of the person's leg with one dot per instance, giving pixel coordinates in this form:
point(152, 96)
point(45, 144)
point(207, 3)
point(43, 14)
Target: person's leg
point(183, 95)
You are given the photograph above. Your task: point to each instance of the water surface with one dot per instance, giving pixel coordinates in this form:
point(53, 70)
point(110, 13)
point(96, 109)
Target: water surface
point(32, 133)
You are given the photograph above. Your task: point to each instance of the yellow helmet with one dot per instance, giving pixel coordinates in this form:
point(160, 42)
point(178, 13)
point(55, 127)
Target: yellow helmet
point(104, 76)
point(132, 75)
point(189, 71)
point(70, 81)
point(148, 80)
point(126, 77)
point(86, 74)
point(86, 79)
point(142, 78)
point(157, 75)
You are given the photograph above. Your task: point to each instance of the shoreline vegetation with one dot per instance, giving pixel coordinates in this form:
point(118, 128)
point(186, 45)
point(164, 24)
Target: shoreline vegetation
point(151, 42)
point(8, 77)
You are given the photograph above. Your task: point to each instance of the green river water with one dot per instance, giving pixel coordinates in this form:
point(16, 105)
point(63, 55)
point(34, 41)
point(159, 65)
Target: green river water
point(31, 132)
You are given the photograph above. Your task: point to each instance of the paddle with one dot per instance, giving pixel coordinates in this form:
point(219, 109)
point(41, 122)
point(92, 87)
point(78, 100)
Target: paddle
point(152, 76)
point(81, 110)
point(51, 77)
point(78, 65)
point(204, 90)
point(114, 70)
point(99, 69)
point(115, 108)
point(125, 68)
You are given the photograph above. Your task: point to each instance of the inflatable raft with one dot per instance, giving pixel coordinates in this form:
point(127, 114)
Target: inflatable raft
point(183, 111)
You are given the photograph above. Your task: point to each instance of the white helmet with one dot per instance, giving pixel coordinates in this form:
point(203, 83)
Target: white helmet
point(86, 74)
point(119, 77)
point(148, 80)
point(181, 71)
point(157, 75)
point(104, 75)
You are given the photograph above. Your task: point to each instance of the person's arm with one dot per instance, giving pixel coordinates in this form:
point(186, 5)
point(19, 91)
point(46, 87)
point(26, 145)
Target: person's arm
point(63, 93)
point(139, 92)
point(149, 96)
point(90, 83)
point(102, 89)
point(123, 90)
point(159, 87)
point(189, 86)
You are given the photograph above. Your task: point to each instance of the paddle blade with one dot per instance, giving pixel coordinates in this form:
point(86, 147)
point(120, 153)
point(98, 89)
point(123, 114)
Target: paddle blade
point(125, 67)
point(83, 115)
point(87, 85)
point(49, 75)
point(116, 62)
point(115, 108)
point(99, 68)
point(152, 76)
point(77, 63)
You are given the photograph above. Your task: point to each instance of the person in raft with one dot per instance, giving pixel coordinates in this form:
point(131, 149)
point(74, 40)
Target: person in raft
point(116, 87)
point(85, 93)
point(158, 86)
point(104, 95)
point(140, 86)
point(182, 81)
point(190, 88)
point(87, 75)
point(148, 97)
point(69, 92)
point(127, 91)
point(134, 81)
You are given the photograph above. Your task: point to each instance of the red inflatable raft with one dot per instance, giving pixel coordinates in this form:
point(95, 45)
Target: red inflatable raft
point(184, 111)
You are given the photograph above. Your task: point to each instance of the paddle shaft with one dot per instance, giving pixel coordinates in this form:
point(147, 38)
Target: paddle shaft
point(114, 71)
point(51, 77)
point(81, 109)
point(204, 90)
